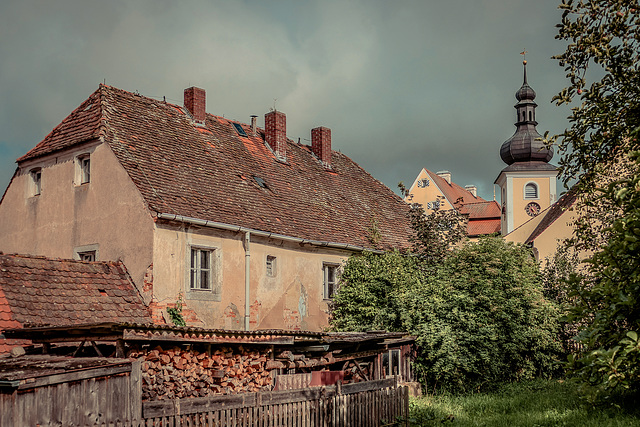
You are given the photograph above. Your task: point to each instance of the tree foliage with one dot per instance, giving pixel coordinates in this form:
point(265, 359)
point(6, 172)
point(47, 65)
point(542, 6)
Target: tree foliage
point(479, 313)
point(600, 149)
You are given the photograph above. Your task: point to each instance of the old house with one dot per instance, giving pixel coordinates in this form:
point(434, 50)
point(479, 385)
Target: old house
point(243, 225)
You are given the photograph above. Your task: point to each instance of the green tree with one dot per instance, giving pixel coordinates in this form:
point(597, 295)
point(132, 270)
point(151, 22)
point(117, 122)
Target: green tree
point(482, 318)
point(479, 315)
point(600, 149)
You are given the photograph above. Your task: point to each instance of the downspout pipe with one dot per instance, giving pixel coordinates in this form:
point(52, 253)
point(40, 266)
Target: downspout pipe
point(247, 279)
point(237, 228)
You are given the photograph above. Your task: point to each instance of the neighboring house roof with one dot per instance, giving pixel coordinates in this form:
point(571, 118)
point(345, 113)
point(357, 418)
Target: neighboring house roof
point(452, 191)
point(484, 216)
point(210, 172)
point(553, 213)
point(38, 291)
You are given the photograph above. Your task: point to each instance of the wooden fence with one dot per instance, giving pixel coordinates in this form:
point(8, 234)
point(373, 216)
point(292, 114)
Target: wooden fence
point(372, 403)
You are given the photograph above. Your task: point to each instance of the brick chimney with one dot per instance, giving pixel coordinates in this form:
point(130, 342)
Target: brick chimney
point(195, 101)
point(275, 133)
point(321, 144)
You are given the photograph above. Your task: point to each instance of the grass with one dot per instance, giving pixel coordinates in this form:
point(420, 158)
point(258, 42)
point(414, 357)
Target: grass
point(532, 403)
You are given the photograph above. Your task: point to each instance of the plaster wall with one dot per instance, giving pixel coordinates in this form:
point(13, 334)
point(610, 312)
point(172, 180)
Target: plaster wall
point(425, 194)
point(107, 214)
point(291, 299)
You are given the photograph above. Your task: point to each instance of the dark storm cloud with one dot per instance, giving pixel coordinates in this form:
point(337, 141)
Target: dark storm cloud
point(403, 85)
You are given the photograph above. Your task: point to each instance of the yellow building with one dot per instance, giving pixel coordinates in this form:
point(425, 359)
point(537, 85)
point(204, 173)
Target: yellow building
point(437, 191)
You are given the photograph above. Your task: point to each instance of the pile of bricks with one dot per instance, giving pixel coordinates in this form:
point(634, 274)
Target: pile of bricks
point(178, 373)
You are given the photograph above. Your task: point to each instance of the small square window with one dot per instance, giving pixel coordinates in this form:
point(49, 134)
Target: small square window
point(201, 271)
point(89, 256)
point(271, 266)
point(331, 277)
point(36, 181)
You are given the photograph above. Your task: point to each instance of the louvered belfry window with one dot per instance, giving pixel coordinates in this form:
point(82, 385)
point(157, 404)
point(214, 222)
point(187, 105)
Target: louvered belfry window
point(531, 191)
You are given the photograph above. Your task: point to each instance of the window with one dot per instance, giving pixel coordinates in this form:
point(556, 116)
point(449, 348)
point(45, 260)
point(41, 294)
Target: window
point(86, 252)
point(423, 183)
point(89, 256)
point(83, 169)
point(36, 181)
point(201, 271)
point(433, 205)
point(271, 266)
point(331, 276)
point(531, 191)
point(239, 129)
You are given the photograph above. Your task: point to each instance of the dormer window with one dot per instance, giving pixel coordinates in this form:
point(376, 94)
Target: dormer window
point(36, 181)
point(83, 169)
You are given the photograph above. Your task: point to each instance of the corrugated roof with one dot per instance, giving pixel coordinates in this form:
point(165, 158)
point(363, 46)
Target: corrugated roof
point(207, 172)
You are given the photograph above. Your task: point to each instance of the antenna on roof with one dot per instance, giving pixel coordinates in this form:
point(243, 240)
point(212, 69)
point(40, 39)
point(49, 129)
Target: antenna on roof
point(274, 104)
point(104, 82)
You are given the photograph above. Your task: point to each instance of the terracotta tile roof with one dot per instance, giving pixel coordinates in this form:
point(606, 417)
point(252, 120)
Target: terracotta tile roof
point(209, 172)
point(453, 191)
point(481, 209)
point(554, 212)
point(82, 125)
point(482, 227)
point(42, 291)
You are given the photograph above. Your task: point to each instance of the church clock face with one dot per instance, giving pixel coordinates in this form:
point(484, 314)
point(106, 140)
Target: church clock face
point(532, 209)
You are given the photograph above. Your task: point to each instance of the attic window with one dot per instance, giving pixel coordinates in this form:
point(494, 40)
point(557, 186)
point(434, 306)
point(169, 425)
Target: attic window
point(261, 182)
point(36, 181)
point(87, 107)
point(239, 129)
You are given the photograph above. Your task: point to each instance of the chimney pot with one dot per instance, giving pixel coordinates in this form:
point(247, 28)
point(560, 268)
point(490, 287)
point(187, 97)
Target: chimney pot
point(472, 189)
point(275, 133)
point(321, 144)
point(195, 102)
point(446, 175)
point(253, 124)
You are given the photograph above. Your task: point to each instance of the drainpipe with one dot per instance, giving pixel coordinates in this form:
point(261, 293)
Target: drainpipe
point(247, 259)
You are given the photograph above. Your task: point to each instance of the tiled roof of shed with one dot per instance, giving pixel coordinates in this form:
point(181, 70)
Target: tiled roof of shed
point(209, 172)
point(36, 291)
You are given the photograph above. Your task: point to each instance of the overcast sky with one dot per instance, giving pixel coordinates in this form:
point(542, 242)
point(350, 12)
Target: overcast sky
point(402, 84)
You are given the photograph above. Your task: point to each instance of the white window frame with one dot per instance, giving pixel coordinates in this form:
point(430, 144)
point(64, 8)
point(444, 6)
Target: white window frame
point(329, 287)
point(271, 266)
point(83, 169)
point(191, 273)
point(537, 191)
point(36, 181)
point(197, 270)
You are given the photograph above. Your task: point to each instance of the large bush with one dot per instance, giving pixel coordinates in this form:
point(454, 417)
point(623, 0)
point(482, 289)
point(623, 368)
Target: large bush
point(479, 316)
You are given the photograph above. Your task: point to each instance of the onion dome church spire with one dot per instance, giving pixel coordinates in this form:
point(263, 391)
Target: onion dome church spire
point(526, 143)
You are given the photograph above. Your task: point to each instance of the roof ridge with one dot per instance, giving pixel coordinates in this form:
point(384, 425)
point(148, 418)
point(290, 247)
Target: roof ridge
point(58, 259)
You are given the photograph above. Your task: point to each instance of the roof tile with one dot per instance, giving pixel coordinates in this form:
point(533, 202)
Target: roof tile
point(66, 301)
point(208, 173)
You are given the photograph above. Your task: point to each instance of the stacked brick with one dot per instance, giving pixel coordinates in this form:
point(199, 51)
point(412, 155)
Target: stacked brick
point(178, 373)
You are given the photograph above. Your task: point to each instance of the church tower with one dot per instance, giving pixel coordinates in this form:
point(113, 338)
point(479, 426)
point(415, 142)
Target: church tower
point(528, 183)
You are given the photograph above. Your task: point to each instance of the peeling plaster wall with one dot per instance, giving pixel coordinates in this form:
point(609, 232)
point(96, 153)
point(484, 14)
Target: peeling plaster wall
point(108, 211)
point(292, 298)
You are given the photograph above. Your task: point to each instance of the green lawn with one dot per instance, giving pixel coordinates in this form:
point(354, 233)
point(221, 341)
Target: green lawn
point(533, 403)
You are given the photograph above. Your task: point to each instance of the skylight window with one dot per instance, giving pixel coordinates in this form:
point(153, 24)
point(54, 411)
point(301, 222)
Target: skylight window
point(261, 182)
point(239, 129)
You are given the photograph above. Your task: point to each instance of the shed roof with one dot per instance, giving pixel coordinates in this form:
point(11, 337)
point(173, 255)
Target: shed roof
point(38, 291)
